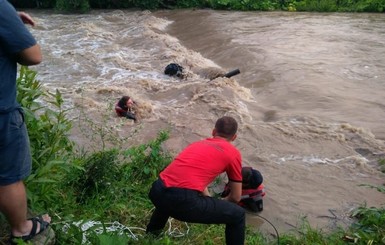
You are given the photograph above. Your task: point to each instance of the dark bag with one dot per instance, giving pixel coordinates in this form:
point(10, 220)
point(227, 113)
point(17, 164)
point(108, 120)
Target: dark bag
point(174, 69)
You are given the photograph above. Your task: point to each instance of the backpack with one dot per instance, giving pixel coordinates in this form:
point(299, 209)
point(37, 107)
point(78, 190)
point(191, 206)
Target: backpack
point(174, 69)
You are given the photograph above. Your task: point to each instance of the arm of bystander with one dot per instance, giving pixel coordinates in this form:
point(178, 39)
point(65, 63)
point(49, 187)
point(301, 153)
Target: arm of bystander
point(235, 192)
point(31, 55)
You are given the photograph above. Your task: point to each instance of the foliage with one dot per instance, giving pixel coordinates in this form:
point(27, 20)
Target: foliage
point(99, 171)
point(186, 4)
point(370, 227)
point(112, 185)
point(23, 3)
point(80, 6)
point(341, 5)
point(310, 235)
point(109, 238)
point(378, 188)
point(320, 6)
point(148, 160)
point(110, 4)
point(243, 5)
point(382, 165)
point(48, 130)
point(147, 4)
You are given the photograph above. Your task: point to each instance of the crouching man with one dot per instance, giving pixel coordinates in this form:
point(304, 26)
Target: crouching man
point(181, 190)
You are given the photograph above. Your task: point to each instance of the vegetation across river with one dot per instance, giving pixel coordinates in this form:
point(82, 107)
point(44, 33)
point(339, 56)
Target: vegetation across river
point(242, 5)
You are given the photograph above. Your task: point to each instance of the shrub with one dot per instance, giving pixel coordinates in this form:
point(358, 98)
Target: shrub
point(81, 6)
point(370, 228)
point(148, 160)
point(48, 130)
point(99, 171)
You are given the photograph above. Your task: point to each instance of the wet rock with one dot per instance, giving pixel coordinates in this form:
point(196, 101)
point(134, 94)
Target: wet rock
point(364, 152)
point(369, 154)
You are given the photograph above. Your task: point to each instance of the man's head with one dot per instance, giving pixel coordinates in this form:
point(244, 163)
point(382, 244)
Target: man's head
point(251, 178)
point(126, 102)
point(226, 127)
point(123, 100)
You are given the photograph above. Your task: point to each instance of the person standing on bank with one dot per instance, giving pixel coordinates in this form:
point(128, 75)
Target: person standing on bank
point(181, 190)
point(17, 46)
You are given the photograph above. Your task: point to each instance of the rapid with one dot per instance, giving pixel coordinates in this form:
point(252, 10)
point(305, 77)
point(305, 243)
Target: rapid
point(309, 99)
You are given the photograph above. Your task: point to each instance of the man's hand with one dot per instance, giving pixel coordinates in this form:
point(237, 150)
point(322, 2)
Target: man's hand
point(26, 18)
point(206, 192)
point(235, 192)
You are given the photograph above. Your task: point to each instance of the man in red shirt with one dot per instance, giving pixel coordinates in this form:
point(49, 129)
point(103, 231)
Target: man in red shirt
point(181, 190)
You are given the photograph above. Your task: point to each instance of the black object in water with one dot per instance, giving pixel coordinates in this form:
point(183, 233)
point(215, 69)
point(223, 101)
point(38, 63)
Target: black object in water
point(232, 73)
point(174, 69)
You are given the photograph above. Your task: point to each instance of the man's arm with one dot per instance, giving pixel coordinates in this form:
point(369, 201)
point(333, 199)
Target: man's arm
point(235, 192)
point(30, 56)
point(26, 18)
point(206, 192)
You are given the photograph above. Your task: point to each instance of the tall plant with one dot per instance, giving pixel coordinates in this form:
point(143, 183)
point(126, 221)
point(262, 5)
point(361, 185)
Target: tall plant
point(48, 129)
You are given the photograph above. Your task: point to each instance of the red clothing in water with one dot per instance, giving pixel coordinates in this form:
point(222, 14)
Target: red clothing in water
point(120, 111)
point(200, 162)
point(255, 194)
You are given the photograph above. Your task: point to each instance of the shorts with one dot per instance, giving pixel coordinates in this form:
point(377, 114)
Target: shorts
point(15, 155)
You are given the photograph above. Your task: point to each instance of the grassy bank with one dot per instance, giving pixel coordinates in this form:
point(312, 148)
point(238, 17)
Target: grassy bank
point(101, 198)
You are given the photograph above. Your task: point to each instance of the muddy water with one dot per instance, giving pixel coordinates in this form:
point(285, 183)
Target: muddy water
point(309, 99)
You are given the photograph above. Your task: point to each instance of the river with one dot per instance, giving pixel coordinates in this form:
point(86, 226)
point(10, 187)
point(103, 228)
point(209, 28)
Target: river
point(309, 99)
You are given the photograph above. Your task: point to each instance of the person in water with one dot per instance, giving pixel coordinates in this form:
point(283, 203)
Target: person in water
point(252, 190)
point(124, 108)
point(181, 190)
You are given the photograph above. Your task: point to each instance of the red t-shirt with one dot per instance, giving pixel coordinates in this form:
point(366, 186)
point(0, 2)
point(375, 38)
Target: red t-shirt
point(200, 162)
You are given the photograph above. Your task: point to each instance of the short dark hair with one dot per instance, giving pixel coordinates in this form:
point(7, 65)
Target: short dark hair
point(226, 127)
point(251, 178)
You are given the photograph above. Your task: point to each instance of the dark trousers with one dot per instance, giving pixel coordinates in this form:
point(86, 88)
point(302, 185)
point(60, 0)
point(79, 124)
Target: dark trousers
point(190, 206)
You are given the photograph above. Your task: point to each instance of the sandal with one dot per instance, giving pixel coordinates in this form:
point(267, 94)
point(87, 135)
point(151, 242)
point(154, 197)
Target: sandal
point(43, 226)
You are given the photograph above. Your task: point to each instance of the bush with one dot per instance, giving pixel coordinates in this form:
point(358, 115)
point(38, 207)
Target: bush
point(370, 228)
point(317, 5)
point(110, 4)
point(371, 6)
point(48, 130)
point(99, 171)
point(80, 6)
point(148, 160)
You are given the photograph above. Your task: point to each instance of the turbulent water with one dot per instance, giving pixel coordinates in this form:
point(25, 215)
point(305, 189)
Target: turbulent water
point(309, 98)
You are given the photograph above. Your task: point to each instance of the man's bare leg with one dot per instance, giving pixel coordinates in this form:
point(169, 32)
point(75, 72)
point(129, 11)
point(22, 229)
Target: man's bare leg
point(13, 204)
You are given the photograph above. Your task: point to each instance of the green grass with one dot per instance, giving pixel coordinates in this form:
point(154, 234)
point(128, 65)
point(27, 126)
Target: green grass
point(382, 165)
